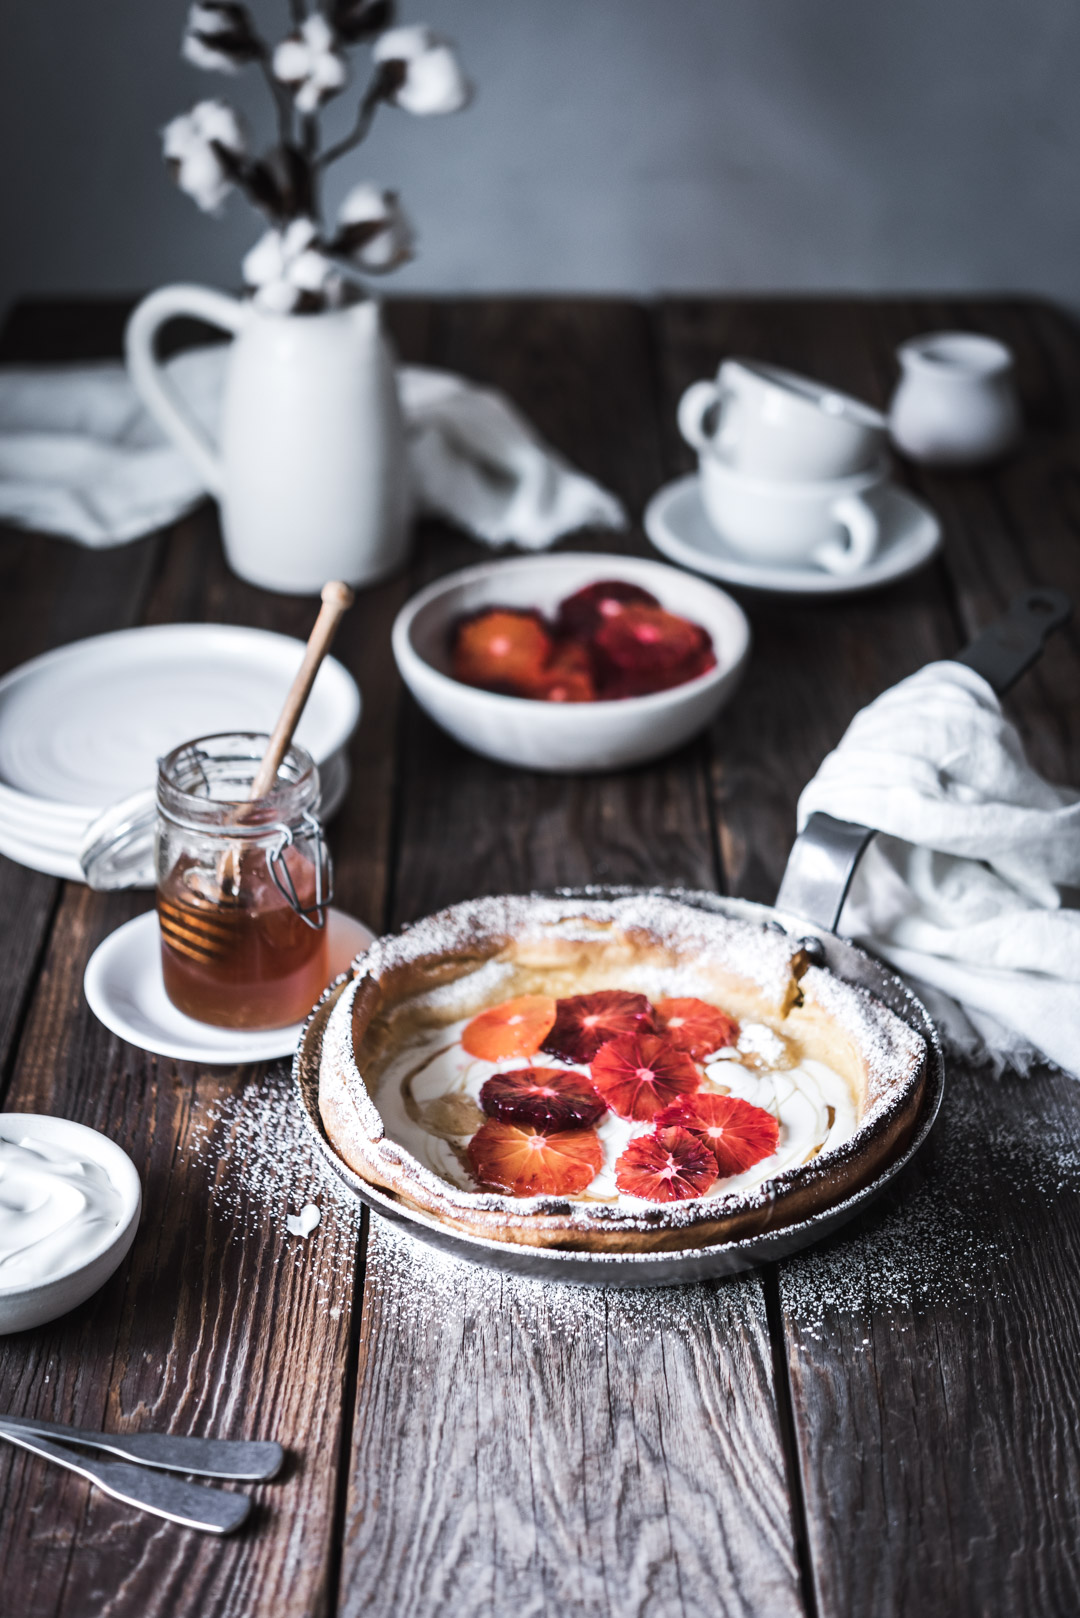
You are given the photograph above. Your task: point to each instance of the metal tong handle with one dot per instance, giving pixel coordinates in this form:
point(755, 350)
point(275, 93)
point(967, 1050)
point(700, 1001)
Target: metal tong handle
point(187, 1503)
point(825, 853)
point(249, 1460)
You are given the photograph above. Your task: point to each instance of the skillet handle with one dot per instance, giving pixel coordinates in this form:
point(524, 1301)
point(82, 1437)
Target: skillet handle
point(824, 855)
point(1009, 646)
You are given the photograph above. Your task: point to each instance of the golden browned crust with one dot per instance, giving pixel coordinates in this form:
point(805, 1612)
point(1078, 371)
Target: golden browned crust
point(475, 955)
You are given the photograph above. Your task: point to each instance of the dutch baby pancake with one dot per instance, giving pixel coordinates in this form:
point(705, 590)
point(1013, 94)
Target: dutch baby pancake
point(612, 1074)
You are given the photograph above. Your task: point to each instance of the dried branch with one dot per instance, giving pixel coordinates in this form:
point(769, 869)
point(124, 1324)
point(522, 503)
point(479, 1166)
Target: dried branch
point(388, 79)
point(283, 105)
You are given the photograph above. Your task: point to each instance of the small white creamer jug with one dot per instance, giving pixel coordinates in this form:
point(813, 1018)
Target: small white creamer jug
point(956, 403)
point(311, 473)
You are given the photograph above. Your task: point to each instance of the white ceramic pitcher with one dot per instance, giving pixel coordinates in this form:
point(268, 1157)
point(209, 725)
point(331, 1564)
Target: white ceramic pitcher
point(311, 474)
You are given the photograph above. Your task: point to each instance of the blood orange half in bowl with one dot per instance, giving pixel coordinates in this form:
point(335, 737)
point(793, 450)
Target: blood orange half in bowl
point(565, 736)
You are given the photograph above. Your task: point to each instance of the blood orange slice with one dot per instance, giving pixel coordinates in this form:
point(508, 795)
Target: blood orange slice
point(738, 1133)
point(548, 1098)
point(528, 1163)
point(696, 1027)
point(581, 614)
point(670, 1166)
point(639, 1075)
point(516, 1028)
point(501, 650)
point(615, 683)
point(568, 676)
point(647, 640)
point(584, 1022)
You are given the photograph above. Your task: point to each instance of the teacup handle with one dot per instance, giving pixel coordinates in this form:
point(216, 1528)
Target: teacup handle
point(694, 406)
point(863, 528)
point(151, 381)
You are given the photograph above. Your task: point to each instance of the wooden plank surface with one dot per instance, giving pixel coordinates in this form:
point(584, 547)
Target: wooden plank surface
point(933, 1350)
point(219, 1322)
point(540, 1448)
point(886, 1425)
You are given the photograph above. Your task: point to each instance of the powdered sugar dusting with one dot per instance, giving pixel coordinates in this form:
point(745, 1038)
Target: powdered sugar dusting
point(481, 926)
point(431, 1287)
point(949, 1233)
point(261, 1166)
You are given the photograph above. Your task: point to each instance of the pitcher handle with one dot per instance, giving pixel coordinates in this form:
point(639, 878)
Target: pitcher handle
point(152, 382)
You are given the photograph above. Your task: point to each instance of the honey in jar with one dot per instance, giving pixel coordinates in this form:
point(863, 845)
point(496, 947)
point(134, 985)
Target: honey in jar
point(242, 885)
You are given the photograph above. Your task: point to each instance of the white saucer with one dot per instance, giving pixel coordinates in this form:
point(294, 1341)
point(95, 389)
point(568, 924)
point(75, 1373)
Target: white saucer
point(676, 522)
point(125, 991)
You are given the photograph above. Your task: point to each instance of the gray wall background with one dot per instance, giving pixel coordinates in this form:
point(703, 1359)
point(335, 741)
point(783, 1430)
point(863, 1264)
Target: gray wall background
point(615, 145)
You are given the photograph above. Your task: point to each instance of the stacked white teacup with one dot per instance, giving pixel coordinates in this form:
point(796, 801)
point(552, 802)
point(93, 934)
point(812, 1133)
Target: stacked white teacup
point(790, 469)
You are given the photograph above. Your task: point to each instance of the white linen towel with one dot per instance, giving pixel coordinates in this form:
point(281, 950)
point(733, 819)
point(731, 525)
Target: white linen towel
point(79, 456)
point(968, 892)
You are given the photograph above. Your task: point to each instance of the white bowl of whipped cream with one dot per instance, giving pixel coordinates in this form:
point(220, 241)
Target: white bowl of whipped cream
point(70, 1202)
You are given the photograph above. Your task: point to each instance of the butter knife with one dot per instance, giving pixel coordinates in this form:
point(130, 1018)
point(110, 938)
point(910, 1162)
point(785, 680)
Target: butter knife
point(189, 1504)
point(249, 1460)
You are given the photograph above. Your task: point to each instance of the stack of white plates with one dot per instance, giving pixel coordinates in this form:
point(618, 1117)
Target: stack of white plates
point(84, 726)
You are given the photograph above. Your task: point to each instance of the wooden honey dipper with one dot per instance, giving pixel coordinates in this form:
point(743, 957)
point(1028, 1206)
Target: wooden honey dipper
point(337, 598)
point(195, 932)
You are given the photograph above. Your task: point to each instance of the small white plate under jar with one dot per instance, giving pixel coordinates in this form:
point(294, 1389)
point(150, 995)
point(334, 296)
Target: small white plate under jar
point(677, 524)
point(125, 991)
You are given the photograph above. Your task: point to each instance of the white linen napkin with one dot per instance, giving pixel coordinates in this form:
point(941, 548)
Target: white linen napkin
point(968, 892)
point(79, 456)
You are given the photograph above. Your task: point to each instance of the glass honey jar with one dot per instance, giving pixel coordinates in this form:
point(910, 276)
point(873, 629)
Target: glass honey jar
point(243, 884)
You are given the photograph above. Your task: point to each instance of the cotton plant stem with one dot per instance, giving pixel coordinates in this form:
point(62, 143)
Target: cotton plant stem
point(337, 598)
point(380, 87)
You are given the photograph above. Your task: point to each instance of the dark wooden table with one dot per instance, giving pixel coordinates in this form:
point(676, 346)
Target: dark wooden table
point(889, 1424)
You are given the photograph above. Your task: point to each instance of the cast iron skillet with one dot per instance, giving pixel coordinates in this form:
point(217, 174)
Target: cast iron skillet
point(815, 882)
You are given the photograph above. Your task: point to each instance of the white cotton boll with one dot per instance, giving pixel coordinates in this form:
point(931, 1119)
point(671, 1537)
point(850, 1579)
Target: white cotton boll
point(220, 36)
point(318, 34)
point(200, 54)
point(434, 82)
point(374, 229)
point(277, 298)
point(298, 236)
point(362, 204)
point(187, 142)
point(309, 271)
point(283, 264)
point(265, 261)
point(309, 64)
point(290, 61)
point(203, 178)
point(203, 24)
point(382, 252)
point(434, 85)
point(392, 246)
point(216, 120)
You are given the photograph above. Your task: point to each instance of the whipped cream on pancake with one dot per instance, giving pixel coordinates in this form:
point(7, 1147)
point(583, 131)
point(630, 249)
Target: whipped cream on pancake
point(429, 1099)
